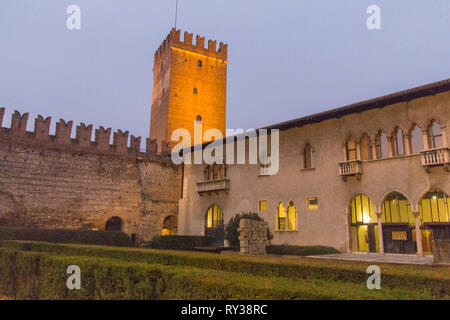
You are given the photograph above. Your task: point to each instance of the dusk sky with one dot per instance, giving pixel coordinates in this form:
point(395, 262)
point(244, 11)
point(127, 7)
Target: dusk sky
point(287, 58)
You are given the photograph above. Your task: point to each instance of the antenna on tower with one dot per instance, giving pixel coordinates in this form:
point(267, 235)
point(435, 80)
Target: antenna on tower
point(176, 14)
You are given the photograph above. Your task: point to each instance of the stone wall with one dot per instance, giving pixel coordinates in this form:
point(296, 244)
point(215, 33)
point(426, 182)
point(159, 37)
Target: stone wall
point(253, 237)
point(441, 252)
point(54, 181)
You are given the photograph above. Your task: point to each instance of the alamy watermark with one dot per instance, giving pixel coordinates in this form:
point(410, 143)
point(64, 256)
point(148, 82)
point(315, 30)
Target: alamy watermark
point(374, 281)
point(227, 150)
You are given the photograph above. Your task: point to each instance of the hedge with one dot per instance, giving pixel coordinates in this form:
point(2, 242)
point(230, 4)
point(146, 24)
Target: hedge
point(178, 242)
point(415, 278)
point(300, 250)
point(106, 238)
point(34, 275)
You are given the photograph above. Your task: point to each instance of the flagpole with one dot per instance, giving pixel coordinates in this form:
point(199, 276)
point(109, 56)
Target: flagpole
point(176, 14)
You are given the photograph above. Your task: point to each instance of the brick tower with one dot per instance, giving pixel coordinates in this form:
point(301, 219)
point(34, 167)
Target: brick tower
point(189, 84)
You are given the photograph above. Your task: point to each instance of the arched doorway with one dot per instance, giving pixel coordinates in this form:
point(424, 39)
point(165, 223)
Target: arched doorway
point(214, 225)
point(114, 224)
point(398, 225)
point(363, 225)
point(434, 215)
point(169, 226)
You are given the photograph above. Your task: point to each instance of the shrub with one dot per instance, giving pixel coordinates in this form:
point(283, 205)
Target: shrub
point(43, 276)
point(177, 242)
point(231, 229)
point(300, 250)
point(107, 238)
point(414, 278)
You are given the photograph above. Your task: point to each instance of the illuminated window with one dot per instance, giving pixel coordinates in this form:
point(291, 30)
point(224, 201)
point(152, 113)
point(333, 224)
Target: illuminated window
point(281, 215)
point(292, 212)
point(351, 149)
point(366, 153)
point(262, 205)
point(434, 207)
point(286, 218)
point(396, 209)
point(214, 217)
point(195, 91)
point(313, 203)
point(362, 210)
point(200, 63)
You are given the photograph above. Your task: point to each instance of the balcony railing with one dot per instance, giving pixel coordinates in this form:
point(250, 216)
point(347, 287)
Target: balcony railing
point(435, 157)
point(213, 186)
point(350, 168)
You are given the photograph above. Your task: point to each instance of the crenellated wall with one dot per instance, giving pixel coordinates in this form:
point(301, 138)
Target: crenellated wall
point(54, 181)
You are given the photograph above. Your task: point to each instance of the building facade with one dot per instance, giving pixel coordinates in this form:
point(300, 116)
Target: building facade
point(369, 177)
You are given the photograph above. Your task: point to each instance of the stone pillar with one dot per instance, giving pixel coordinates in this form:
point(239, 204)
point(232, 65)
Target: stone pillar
point(408, 143)
point(373, 146)
point(390, 140)
point(253, 236)
point(426, 145)
point(380, 232)
point(418, 234)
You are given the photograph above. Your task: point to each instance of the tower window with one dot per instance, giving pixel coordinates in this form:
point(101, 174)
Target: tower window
point(195, 91)
point(200, 63)
point(199, 118)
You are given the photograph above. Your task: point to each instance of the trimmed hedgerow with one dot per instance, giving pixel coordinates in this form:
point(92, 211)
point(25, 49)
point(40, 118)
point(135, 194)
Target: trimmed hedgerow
point(177, 242)
point(106, 238)
point(300, 250)
point(43, 276)
point(415, 278)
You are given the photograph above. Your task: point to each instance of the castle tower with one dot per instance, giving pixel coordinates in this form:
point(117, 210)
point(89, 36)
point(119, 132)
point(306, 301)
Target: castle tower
point(189, 84)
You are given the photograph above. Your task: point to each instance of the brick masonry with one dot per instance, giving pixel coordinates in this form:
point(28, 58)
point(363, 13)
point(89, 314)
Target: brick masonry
point(253, 237)
point(54, 181)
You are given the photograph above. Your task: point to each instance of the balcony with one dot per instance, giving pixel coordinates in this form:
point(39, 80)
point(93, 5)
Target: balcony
point(213, 186)
point(350, 168)
point(435, 157)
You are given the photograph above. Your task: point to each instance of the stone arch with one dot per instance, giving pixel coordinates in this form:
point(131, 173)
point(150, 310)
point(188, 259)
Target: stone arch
point(170, 225)
point(114, 223)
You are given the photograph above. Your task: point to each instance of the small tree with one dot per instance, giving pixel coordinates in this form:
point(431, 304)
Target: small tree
point(231, 229)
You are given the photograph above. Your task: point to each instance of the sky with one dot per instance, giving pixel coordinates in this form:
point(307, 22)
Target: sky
point(287, 58)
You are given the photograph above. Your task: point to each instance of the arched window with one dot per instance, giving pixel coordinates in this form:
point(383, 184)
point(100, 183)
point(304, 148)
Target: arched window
point(199, 63)
point(399, 142)
point(435, 135)
point(434, 207)
point(195, 91)
point(416, 139)
point(366, 153)
point(198, 118)
point(214, 217)
point(350, 147)
point(381, 145)
point(397, 209)
point(281, 217)
point(308, 157)
point(291, 216)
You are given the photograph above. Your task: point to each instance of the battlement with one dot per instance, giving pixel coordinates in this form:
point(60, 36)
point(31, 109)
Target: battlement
point(62, 140)
point(173, 40)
